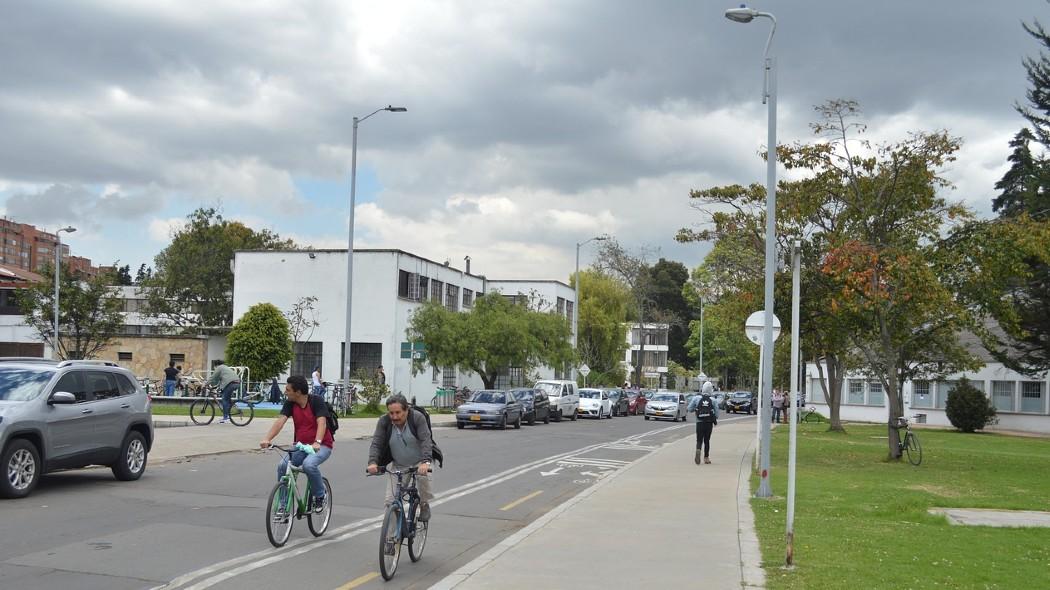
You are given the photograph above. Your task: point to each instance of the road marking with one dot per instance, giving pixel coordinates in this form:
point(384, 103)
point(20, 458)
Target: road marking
point(359, 581)
point(521, 500)
point(551, 472)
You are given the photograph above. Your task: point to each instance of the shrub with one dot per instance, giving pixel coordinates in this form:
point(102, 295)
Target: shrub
point(371, 391)
point(968, 409)
point(261, 341)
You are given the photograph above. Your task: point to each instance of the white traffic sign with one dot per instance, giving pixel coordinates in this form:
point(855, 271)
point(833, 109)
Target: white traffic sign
point(754, 325)
point(584, 370)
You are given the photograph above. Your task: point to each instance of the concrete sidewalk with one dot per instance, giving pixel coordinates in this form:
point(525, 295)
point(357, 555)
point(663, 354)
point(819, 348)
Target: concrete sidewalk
point(662, 519)
point(176, 441)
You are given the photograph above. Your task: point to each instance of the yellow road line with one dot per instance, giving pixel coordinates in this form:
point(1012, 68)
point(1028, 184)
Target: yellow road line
point(520, 500)
point(359, 581)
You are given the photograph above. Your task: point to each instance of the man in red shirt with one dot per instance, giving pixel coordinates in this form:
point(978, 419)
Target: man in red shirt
point(310, 417)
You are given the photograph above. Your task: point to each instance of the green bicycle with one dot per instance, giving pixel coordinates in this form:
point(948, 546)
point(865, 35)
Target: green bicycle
point(285, 503)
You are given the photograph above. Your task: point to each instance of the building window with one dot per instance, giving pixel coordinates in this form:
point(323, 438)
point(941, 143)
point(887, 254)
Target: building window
point(943, 389)
point(568, 310)
point(365, 357)
point(452, 297)
point(402, 283)
point(510, 377)
point(177, 358)
point(424, 282)
point(468, 298)
point(1032, 395)
point(920, 394)
point(9, 303)
point(437, 290)
point(121, 356)
point(308, 355)
point(816, 391)
point(448, 377)
point(856, 392)
point(561, 306)
point(1003, 395)
point(875, 394)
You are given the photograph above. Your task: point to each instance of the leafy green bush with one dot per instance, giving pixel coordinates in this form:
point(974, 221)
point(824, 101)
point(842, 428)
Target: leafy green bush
point(371, 391)
point(261, 341)
point(968, 409)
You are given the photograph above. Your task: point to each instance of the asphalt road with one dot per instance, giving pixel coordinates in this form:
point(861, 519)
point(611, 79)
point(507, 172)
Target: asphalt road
point(199, 523)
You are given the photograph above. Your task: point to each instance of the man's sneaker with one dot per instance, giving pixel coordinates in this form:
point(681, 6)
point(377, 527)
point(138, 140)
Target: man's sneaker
point(320, 503)
point(696, 458)
point(223, 421)
point(424, 512)
point(706, 460)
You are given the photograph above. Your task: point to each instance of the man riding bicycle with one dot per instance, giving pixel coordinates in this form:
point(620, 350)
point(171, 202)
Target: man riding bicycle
point(310, 417)
point(402, 439)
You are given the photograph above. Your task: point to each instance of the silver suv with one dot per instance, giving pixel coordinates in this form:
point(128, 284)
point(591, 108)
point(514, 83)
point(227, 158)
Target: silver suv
point(63, 415)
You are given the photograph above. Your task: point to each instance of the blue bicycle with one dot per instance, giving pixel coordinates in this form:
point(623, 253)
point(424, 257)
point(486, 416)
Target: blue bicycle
point(401, 522)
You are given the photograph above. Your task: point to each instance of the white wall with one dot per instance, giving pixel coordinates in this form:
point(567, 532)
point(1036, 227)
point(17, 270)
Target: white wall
point(1008, 420)
point(544, 296)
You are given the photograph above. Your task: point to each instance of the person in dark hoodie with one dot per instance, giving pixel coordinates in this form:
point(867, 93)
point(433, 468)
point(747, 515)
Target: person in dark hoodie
point(706, 419)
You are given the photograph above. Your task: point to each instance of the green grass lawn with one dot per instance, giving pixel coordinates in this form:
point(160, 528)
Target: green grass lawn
point(861, 521)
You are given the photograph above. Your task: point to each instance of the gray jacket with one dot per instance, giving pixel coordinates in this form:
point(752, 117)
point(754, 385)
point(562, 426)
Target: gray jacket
point(379, 451)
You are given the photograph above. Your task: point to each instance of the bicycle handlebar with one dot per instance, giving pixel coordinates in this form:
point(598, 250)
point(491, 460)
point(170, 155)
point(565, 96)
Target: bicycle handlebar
point(384, 470)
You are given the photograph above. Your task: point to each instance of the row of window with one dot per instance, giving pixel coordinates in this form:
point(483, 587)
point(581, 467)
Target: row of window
point(416, 287)
point(364, 356)
point(1027, 397)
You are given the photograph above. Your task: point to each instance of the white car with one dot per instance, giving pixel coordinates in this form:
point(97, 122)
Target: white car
point(563, 396)
point(663, 406)
point(595, 403)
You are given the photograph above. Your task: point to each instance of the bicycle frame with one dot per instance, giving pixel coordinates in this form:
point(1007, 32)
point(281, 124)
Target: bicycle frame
point(291, 481)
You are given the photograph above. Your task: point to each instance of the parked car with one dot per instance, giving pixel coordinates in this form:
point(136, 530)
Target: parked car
point(595, 403)
point(720, 399)
point(619, 402)
point(69, 414)
point(564, 397)
point(740, 401)
point(666, 405)
point(636, 403)
point(490, 407)
point(534, 405)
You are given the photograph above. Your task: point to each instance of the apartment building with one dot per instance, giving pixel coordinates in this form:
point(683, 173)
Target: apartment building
point(28, 248)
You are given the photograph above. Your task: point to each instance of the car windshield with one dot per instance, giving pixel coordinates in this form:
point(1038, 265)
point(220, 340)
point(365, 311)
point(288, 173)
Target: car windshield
point(590, 394)
point(742, 395)
point(664, 397)
point(553, 389)
point(523, 395)
point(19, 385)
point(489, 397)
point(614, 395)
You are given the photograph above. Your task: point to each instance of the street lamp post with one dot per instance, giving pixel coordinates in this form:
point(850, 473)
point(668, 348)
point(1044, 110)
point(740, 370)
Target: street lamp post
point(576, 295)
point(350, 247)
point(58, 249)
point(746, 15)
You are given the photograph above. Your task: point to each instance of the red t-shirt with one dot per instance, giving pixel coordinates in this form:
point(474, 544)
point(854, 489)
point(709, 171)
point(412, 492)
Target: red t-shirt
point(305, 420)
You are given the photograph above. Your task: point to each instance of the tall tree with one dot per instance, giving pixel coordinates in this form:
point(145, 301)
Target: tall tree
point(89, 314)
point(143, 274)
point(192, 285)
point(123, 275)
point(632, 269)
point(602, 314)
point(668, 279)
point(1038, 72)
point(494, 335)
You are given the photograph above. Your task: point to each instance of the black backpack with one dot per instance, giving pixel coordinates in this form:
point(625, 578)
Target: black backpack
point(332, 419)
point(435, 451)
point(705, 409)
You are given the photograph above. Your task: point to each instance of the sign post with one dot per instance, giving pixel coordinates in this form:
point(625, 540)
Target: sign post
point(584, 370)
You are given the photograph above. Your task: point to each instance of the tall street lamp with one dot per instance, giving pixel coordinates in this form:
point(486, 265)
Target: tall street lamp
point(576, 294)
point(350, 247)
point(58, 248)
point(769, 96)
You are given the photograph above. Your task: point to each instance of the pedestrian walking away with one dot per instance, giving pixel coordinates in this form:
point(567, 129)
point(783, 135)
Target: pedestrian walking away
point(380, 376)
point(402, 439)
point(227, 380)
point(171, 379)
point(310, 417)
point(706, 419)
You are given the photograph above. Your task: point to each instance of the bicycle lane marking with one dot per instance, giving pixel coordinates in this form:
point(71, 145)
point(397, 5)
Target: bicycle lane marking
point(266, 557)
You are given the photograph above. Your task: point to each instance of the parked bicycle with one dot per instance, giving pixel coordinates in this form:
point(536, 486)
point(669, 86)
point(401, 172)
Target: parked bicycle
point(809, 415)
point(202, 411)
point(908, 441)
point(401, 523)
point(285, 502)
point(336, 395)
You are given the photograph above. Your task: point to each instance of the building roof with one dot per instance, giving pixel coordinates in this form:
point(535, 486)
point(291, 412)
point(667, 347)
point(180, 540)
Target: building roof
point(10, 274)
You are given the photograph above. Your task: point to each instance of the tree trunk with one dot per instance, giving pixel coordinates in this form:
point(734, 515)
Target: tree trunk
point(641, 352)
point(832, 387)
point(488, 380)
point(889, 384)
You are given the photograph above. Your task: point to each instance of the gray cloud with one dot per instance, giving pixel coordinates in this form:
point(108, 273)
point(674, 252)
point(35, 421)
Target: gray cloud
point(78, 205)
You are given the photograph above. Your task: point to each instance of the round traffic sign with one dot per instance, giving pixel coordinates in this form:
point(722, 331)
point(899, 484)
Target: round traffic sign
point(754, 325)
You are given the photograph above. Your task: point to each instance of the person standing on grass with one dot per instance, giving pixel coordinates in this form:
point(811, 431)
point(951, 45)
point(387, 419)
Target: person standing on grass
point(171, 379)
point(778, 405)
point(706, 419)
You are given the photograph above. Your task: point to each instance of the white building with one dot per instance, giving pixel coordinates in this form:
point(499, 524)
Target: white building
point(654, 357)
point(389, 285)
point(1021, 401)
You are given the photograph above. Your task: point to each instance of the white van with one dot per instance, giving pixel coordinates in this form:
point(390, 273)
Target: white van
point(563, 396)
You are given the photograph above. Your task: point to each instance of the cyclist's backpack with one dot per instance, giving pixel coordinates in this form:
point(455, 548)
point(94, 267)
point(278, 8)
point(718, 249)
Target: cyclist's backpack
point(332, 419)
point(705, 409)
point(435, 452)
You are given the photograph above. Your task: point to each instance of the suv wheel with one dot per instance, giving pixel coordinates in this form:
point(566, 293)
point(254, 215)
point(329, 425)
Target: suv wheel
point(21, 469)
point(132, 460)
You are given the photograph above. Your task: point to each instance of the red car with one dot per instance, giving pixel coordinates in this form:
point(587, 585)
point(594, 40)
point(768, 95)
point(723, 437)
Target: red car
point(636, 403)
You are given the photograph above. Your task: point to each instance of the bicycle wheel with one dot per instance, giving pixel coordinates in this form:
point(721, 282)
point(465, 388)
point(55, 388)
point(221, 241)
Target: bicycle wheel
point(202, 412)
point(318, 522)
point(241, 412)
point(390, 541)
point(418, 540)
point(279, 516)
point(913, 448)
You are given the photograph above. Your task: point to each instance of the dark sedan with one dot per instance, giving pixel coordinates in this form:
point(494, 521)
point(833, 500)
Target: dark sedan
point(739, 401)
point(494, 408)
point(535, 406)
point(620, 404)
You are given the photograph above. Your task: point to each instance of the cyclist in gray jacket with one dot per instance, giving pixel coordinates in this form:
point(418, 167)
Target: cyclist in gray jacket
point(228, 381)
point(402, 438)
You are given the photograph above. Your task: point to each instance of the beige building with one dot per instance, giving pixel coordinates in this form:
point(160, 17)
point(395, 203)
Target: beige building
point(147, 356)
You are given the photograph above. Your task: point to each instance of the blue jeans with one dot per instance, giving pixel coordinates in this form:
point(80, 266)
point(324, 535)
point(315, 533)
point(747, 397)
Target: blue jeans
point(169, 387)
point(318, 390)
point(311, 467)
point(227, 392)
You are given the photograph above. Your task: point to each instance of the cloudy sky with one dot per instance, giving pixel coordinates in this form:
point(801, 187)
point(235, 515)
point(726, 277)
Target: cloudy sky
point(531, 125)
